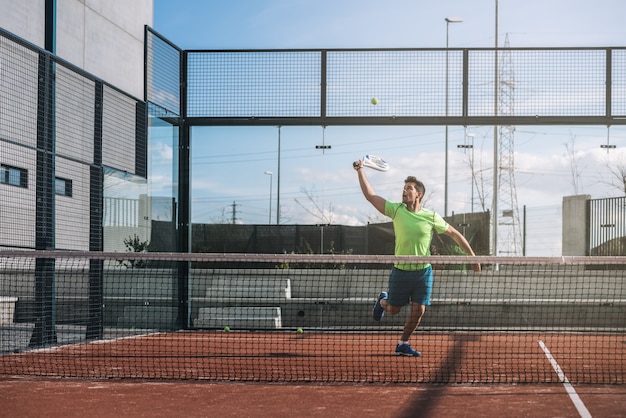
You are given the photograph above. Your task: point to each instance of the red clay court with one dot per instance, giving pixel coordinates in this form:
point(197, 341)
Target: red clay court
point(542, 339)
point(200, 373)
point(334, 357)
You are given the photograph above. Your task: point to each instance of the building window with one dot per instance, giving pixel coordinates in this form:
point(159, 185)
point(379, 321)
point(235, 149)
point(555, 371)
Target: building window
point(14, 176)
point(63, 187)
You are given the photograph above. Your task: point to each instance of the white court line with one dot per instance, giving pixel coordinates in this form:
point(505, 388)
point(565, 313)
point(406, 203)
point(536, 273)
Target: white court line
point(578, 403)
point(64, 347)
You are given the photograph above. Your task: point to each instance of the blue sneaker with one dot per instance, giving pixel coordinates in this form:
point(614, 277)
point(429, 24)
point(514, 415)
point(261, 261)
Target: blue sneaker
point(406, 350)
point(379, 311)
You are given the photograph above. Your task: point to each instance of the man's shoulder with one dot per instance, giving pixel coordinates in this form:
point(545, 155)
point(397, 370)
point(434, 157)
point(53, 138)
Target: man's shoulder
point(427, 212)
point(392, 206)
point(433, 216)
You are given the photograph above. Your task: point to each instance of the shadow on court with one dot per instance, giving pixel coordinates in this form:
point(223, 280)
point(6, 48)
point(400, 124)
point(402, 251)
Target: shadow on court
point(424, 402)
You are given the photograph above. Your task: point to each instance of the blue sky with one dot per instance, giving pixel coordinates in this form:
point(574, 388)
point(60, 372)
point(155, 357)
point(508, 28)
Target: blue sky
point(211, 24)
point(550, 162)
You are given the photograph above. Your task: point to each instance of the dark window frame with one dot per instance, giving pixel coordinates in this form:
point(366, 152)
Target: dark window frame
point(8, 173)
point(67, 186)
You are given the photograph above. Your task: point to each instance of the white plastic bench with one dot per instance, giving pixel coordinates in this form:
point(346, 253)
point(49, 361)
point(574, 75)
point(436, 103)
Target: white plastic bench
point(239, 317)
point(7, 309)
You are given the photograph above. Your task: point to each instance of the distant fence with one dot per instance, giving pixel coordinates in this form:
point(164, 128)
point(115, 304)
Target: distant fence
point(607, 226)
point(328, 239)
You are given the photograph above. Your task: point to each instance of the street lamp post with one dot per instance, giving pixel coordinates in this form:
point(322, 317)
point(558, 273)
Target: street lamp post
point(269, 173)
point(465, 147)
point(278, 183)
point(471, 146)
point(448, 21)
point(472, 169)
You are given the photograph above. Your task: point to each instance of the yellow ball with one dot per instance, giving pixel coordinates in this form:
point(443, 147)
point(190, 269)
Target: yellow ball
point(299, 330)
point(226, 328)
point(374, 101)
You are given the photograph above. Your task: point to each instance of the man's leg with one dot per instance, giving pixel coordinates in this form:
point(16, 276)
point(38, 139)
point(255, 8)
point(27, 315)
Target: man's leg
point(413, 320)
point(391, 310)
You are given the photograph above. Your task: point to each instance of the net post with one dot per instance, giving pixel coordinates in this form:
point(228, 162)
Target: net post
point(95, 321)
point(44, 332)
point(184, 221)
point(45, 323)
point(182, 320)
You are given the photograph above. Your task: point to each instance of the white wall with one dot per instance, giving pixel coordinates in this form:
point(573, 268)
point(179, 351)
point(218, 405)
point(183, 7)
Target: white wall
point(103, 37)
point(18, 125)
point(24, 18)
point(574, 225)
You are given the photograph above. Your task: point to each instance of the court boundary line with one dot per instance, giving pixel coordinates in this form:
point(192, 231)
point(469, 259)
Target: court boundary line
point(87, 343)
point(569, 389)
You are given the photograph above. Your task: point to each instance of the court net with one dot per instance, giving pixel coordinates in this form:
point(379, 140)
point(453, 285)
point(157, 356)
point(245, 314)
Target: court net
point(308, 318)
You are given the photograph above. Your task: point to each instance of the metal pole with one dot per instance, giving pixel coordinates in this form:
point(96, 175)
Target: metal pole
point(496, 169)
point(278, 184)
point(445, 184)
point(445, 198)
point(524, 234)
point(269, 219)
point(473, 175)
point(471, 163)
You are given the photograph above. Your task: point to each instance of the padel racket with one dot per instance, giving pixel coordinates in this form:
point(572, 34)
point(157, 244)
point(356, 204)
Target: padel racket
point(375, 163)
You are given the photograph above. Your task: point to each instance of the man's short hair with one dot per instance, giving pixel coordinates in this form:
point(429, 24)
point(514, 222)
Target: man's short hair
point(419, 186)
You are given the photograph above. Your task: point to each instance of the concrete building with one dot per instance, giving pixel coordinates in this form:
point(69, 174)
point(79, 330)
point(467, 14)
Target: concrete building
point(103, 37)
point(92, 144)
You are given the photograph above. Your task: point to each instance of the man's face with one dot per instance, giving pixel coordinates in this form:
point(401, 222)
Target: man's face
point(410, 194)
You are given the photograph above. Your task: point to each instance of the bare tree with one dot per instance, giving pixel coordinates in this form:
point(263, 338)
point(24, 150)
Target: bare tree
point(314, 209)
point(481, 190)
point(573, 163)
point(617, 171)
point(479, 182)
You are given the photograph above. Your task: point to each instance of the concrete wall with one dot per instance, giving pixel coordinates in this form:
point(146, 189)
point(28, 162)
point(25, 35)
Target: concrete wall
point(103, 37)
point(24, 18)
point(575, 225)
point(513, 297)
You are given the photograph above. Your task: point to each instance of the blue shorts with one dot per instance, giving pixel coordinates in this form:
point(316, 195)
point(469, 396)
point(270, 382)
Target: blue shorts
point(410, 286)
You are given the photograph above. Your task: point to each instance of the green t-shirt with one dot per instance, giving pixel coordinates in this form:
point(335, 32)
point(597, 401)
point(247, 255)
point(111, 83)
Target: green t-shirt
point(414, 231)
